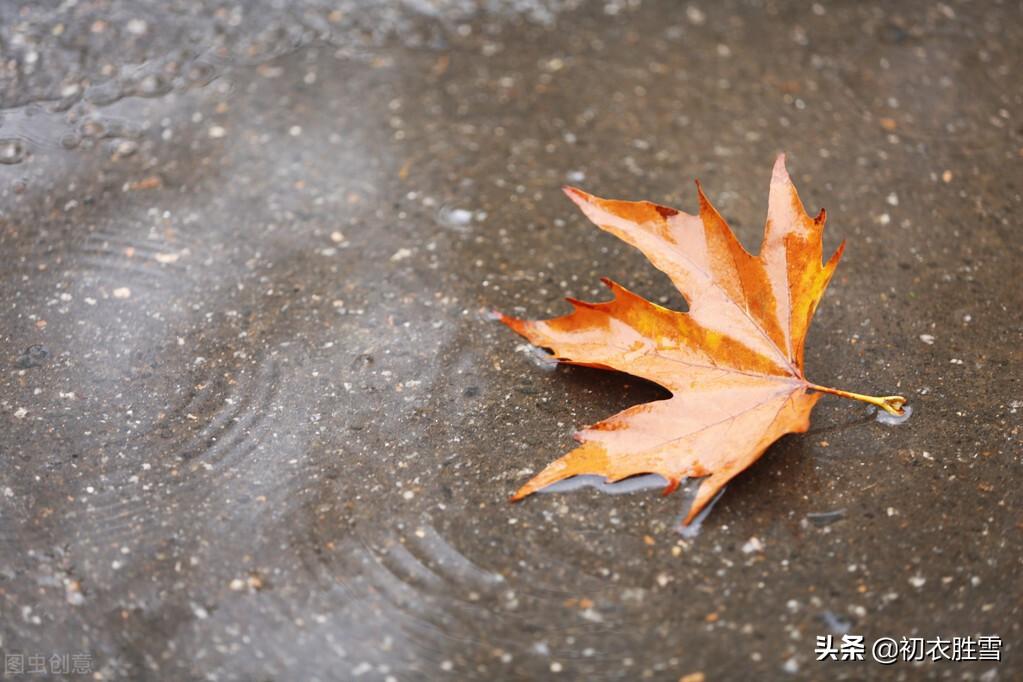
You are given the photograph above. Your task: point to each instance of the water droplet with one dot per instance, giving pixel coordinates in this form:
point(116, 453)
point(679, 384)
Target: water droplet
point(152, 85)
point(457, 219)
point(124, 148)
point(92, 128)
point(70, 140)
point(821, 519)
point(895, 419)
point(12, 151)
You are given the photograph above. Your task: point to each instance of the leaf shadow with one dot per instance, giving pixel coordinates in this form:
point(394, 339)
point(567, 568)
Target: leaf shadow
point(842, 426)
point(608, 390)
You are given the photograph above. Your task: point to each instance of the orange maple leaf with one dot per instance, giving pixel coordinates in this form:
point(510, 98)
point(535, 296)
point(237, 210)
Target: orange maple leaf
point(733, 362)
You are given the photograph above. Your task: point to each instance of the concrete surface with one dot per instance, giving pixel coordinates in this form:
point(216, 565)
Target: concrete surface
point(257, 425)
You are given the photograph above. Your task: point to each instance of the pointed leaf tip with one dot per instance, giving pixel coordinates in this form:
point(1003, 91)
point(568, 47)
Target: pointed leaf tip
point(702, 196)
point(780, 174)
point(835, 257)
point(575, 194)
point(517, 325)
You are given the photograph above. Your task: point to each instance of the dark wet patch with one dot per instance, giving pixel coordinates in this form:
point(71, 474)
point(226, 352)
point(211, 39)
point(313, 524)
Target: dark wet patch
point(33, 356)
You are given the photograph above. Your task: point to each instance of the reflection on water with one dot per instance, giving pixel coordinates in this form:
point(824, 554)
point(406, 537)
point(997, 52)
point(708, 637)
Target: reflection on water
point(628, 485)
point(692, 530)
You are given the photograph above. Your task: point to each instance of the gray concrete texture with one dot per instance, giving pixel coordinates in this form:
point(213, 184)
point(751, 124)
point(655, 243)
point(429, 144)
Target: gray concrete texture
point(258, 425)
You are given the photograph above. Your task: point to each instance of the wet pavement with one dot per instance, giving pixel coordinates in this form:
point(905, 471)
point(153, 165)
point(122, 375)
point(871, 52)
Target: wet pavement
point(258, 424)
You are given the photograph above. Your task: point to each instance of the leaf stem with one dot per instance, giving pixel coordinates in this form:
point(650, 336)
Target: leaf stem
point(892, 404)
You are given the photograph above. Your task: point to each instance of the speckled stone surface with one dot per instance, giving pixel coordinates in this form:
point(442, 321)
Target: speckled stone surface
point(256, 423)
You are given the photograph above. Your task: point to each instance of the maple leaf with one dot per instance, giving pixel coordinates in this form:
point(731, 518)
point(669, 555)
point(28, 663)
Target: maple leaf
point(733, 363)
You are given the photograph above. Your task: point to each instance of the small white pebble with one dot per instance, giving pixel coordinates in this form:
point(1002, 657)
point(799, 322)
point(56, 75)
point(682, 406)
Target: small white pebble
point(217, 132)
point(928, 339)
point(460, 216)
point(752, 545)
point(137, 27)
point(917, 581)
point(167, 257)
point(122, 292)
point(401, 254)
point(20, 413)
point(73, 593)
